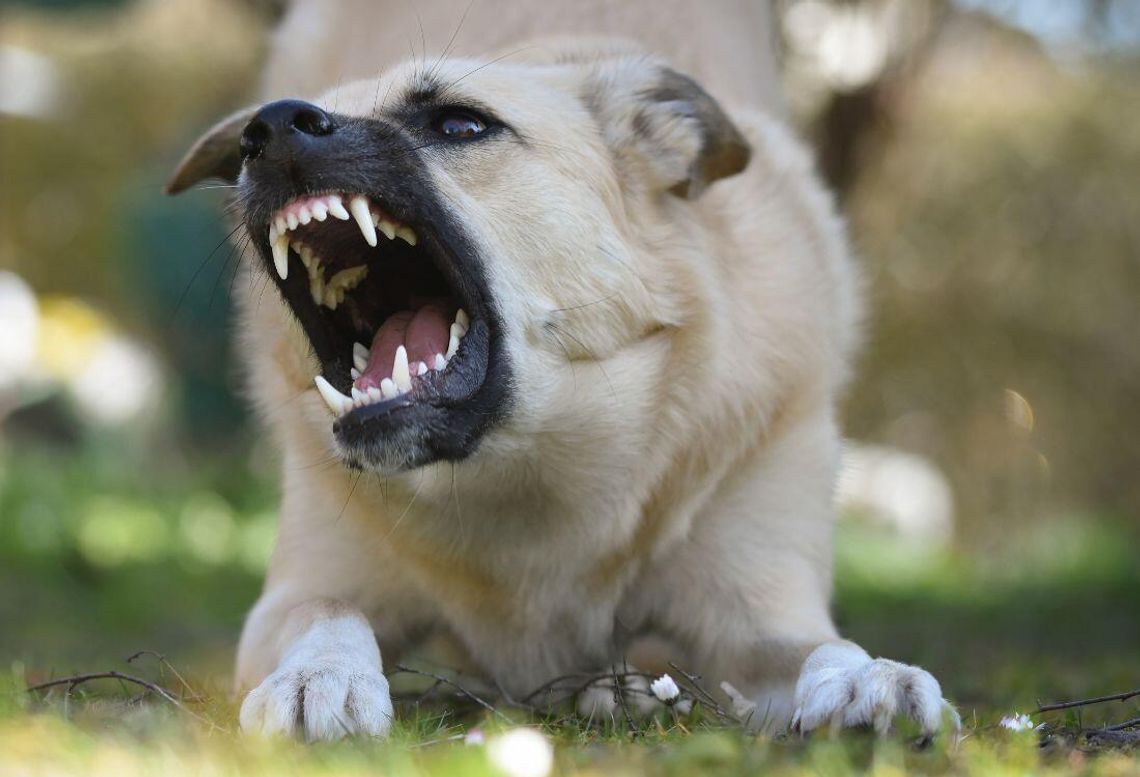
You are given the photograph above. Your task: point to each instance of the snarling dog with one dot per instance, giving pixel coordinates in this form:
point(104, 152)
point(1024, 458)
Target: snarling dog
point(553, 366)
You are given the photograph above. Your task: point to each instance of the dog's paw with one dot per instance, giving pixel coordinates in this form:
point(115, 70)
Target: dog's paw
point(326, 687)
point(601, 702)
point(841, 686)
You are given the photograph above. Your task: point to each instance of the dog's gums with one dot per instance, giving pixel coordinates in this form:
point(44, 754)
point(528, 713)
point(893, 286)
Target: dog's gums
point(408, 347)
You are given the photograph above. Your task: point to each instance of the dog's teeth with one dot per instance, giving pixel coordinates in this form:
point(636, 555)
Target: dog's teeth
point(282, 226)
point(358, 205)
point(374, 394)
point(457, 331)
point(462, 319)
point(328, 299)
point(304, 215)
point(357, 394)
point(353, 373)
point(307, 257)
point(440, 362)
point(280, 248)
point(337, 402)
point(320, 210)
point(291, 220)
point(400, 373)
point(407, 235)
point(360, 356)
point(388, 388)
point(347, 280)
point(317, 286)
point(421, 369)
point(388, 228)
point(452, 346)
point(336, 207)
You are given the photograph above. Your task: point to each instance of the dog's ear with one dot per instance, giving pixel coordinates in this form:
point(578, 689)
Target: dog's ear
point(217, 154)
point(678, 131)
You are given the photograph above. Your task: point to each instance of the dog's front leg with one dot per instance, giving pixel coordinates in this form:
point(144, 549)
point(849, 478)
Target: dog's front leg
point(328, 682)
point(749, 592)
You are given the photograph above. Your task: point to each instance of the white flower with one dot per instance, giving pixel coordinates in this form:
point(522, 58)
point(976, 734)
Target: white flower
point(475, 737)
point(1017, 722)
point(665, 689)
point(522, 752)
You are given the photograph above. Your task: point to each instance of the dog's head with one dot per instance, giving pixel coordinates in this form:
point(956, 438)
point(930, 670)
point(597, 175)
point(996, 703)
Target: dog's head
point(451, 238)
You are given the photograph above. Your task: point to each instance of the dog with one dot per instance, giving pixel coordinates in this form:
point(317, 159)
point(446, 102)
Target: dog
point(552, 355)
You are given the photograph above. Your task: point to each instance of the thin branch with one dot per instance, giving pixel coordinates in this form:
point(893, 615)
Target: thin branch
point(1064, 705)
point(194, 695)
point(76, 680)
point(704, 696)
point(447, 681)
point(1126, 724)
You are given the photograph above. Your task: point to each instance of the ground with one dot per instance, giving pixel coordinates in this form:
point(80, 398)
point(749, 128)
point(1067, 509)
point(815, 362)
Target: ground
point(1050, 616)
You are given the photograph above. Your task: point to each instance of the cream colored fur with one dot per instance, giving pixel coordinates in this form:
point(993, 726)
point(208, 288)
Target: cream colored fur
point(667, 466)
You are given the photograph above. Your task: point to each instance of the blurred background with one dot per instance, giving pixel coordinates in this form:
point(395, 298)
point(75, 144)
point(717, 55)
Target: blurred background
point(985, 152)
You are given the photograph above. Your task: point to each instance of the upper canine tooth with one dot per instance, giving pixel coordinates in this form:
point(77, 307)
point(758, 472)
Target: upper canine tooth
point(336, 207)
point(400, 373)
point(320, 210)
point(337, 402)
point(304, 215)
point(407, 235)
point(452, 346)
point(462, 319)
point(358, 205)
point(388, 228)
point(280, 248)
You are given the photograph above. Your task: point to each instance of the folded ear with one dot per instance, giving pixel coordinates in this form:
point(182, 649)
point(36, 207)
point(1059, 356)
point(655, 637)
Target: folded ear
point(672, 128)
point(216, 154)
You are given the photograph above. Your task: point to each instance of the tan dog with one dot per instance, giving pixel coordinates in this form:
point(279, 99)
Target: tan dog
point(600, 326)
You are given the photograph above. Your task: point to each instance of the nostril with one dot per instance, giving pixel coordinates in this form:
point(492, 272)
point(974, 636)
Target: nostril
point(311, 120)
point(253, 139)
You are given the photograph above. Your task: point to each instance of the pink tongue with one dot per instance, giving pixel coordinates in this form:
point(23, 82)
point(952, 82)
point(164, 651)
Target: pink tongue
point(423, 333)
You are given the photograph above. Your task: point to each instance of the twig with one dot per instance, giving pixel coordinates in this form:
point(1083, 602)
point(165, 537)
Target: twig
point(75, 680)
point(704, 696)
point(447, 681)
point(1124, 725)
point(194, 695)
point(619, 694)
point(1064, 705)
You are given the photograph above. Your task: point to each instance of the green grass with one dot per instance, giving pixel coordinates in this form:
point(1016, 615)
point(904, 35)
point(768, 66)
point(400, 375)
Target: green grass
point(96, 564)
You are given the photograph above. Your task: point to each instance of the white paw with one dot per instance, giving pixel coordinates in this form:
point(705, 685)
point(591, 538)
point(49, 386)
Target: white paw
point(842, 686)
point(328, 685)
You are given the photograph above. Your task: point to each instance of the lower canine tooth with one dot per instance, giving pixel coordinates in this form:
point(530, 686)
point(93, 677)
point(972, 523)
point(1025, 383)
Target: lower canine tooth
point(400, 372)
point(281, 256)
point(462, 319)
point(457, 330)
point(452, 346)
point(337, 402)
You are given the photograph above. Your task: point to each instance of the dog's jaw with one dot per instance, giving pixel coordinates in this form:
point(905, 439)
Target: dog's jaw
point(388, 290)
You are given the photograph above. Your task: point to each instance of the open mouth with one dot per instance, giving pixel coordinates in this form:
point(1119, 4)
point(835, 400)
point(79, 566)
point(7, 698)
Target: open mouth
point(392, 315)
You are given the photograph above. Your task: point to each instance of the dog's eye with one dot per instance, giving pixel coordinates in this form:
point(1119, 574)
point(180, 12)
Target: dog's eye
point(458, 124)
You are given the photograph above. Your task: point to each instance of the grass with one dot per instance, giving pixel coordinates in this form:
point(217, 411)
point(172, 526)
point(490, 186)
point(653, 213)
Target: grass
point(96, 566)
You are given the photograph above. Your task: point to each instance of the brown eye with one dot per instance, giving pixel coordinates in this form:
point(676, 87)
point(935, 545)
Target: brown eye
point(457, 124)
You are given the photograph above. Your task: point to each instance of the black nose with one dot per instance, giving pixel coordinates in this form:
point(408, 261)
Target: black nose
point(285, 123)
